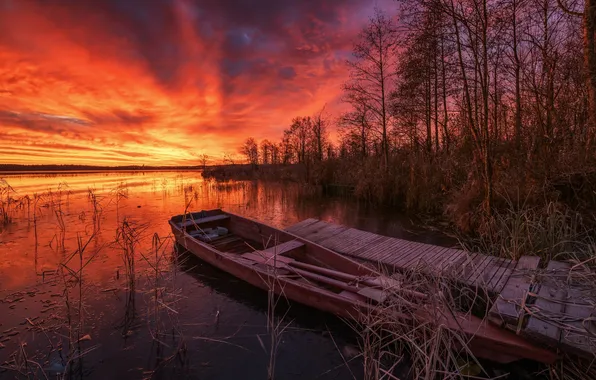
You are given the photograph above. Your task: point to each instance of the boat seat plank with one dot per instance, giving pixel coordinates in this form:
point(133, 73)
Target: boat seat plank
point(199, 221)
point(281, 248)
point(548, 304)
point(506, 308)
point(273, 255)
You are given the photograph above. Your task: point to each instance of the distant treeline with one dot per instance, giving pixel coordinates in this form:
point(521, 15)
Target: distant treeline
point(60, 168)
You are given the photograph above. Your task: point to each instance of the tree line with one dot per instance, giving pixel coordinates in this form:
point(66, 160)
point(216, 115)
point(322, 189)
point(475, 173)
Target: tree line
point(489, 85)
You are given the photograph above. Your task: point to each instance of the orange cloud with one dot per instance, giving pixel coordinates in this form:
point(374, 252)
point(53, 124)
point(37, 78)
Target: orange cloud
point(161, 82)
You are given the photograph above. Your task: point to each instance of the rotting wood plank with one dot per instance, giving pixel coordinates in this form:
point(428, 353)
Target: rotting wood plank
point(363, 241)
point(313, 229)
point(199, 221)
point(329, 231)
point(496, 283)
point(450, 259)
point(317, 234)
point(460, 266)
point(282, 248)
point(341, 240)
point(475, 268)
point(548, 304)
point(296, 228)
point(495, 267)
point(399, 253)
point(394, 248)
point(434, 257)
point(407, 252)
point(375, 246)
point(351, 238)
point(388, 248)
point(507, 306)
point(414, 260)
point(580, 337)
point(371, 244)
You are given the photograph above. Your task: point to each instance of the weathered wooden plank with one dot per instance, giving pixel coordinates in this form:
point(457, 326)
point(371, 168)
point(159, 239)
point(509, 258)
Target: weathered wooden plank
point(475, 268)
point(388, 250)
point(462, 267)
point(395, 249)
point(282, 248)
point(580, 335)
point(419, 257)
point(199, 221)
point(449, 259)
point(312, 229)
point(330, 231)
point(365, 239)
point(352, 240)
point(548, 305)
point(502, 272)
point(435, 257)
point(295, 228)
point(375, 247)
point(336, 242)
point(494, 268)
point(507, 306)
point(407, 253)
point(372, 244)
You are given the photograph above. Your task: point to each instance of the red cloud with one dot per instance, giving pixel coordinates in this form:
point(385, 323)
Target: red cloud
point(79, 84)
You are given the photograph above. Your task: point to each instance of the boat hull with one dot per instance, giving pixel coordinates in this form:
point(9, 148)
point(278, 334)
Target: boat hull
point(320, 299)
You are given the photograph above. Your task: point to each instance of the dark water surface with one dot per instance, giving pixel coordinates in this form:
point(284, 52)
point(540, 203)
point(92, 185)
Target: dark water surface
point(65, 309)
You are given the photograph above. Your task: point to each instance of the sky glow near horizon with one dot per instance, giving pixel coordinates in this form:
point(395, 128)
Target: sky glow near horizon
point(161, 82)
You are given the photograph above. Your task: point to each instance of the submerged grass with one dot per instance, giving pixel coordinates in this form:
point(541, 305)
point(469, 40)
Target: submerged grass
point(5, 202)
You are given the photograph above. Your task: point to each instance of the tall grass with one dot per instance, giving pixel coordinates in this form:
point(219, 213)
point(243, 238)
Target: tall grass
point(427, 349)
point(5, 202)
point(553, 232)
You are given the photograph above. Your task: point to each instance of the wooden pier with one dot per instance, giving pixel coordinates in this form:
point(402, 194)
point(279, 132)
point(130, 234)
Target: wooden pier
point(553, 303)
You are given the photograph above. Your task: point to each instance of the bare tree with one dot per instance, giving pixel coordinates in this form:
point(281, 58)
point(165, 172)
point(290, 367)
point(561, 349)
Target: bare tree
point(251, 150)
point(371, 73)
point(589, 21)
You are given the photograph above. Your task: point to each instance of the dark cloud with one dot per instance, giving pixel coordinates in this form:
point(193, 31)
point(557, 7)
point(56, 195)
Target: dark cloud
point(40, 121)
point(120, 118)
point(287, 72)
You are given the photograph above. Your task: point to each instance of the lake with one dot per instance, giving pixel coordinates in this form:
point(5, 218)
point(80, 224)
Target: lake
point(68, 303)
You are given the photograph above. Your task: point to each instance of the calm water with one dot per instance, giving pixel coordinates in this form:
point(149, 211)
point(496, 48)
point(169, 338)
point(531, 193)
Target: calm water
point(65, 309)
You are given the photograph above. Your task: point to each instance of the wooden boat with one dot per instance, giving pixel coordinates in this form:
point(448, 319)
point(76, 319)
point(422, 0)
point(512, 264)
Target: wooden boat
point(305, 272)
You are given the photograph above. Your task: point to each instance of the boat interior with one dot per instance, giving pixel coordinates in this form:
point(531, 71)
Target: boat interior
point(266, 248)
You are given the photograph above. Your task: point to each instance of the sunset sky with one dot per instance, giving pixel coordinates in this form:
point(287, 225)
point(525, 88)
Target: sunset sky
point(159, 82)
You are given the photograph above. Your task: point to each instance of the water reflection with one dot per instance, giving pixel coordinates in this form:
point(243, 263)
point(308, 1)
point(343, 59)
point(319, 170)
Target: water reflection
point(65, 274)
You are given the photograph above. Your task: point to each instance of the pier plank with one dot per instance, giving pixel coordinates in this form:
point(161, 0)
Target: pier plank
point(580, 309)
point(549, 304)
point(506, 308)
point(296, 228)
